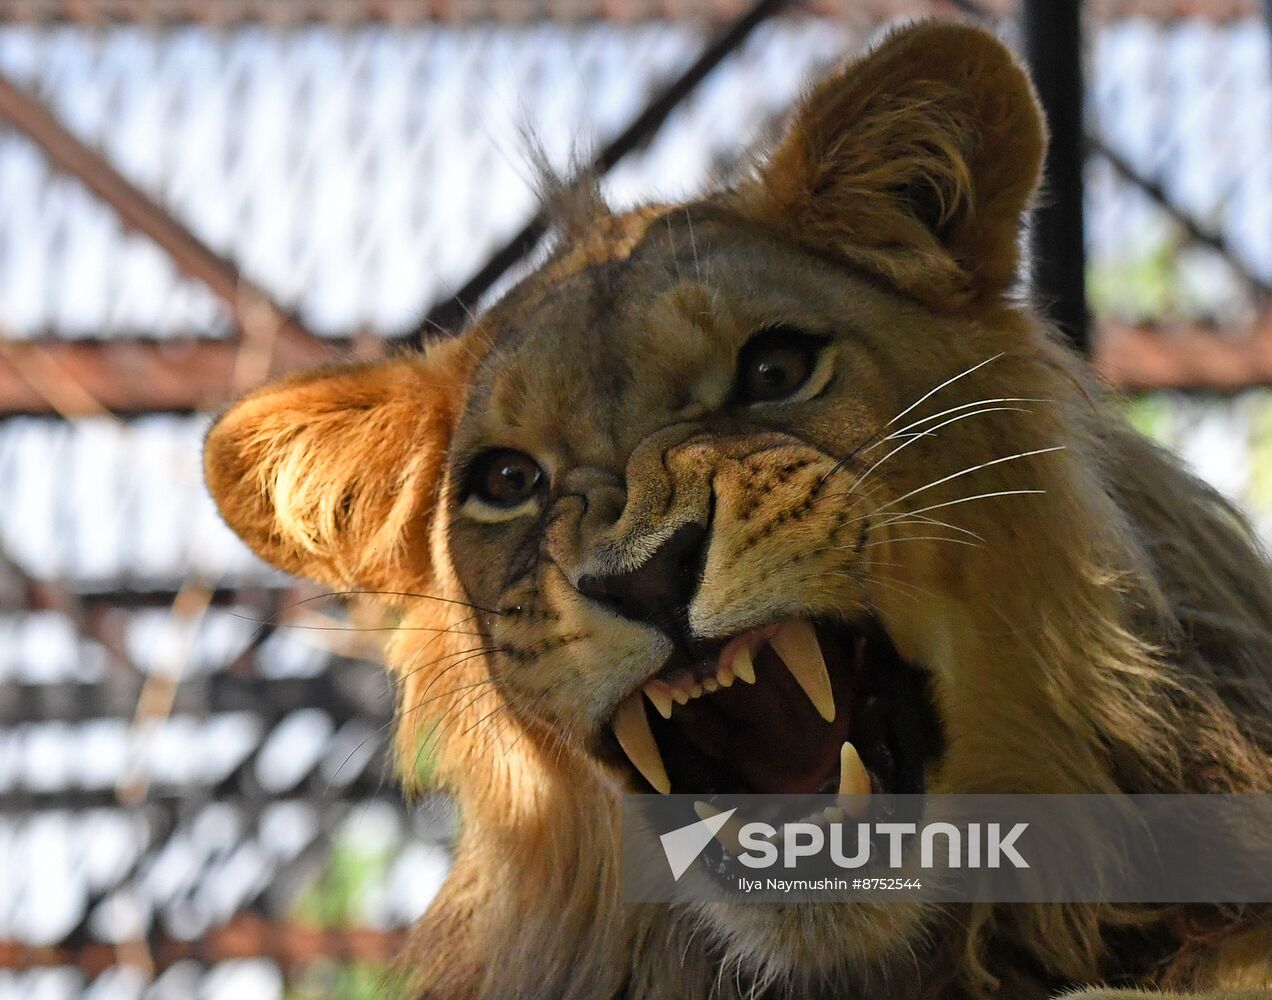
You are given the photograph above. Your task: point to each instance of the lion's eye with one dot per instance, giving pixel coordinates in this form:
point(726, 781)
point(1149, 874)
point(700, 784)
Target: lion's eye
point(775, 363)
point(504, 478)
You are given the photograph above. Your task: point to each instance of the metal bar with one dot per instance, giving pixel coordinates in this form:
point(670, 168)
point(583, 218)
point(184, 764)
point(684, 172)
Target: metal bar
point(268, 699)
point(288, 943)
point(128, 376)
point(1195, 230)
point(249, 303)
point(1052, 32)
point(102, 596)
point(134, 378)
point(406, 13)
point(449, 314)
point(1138, 359)
point(375, 783)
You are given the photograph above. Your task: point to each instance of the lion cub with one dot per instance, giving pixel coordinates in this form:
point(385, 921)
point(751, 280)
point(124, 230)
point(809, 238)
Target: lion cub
point(786, 489)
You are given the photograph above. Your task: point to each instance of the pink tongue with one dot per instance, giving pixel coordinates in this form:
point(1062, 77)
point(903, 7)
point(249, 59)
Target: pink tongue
point(768, 733)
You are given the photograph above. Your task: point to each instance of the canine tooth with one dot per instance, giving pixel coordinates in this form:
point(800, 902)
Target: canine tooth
point(710, 685)
point(743, 666)
point(659, 697)
point(727, 835)
point(854, 781)
point(631, 727)
point(796, 643)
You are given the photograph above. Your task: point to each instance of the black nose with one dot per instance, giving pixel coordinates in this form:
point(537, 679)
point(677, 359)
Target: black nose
point(658, 591)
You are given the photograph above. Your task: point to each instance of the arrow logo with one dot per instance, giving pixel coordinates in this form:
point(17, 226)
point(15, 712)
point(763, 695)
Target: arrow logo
point(683, 846)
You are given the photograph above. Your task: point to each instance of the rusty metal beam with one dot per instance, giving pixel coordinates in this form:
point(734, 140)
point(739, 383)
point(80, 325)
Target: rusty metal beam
point(81, 378)
point(405, 13)
point(450, 313)
point(132, 377)
point(253, 309)
point(292, 945)
point(1140, 359)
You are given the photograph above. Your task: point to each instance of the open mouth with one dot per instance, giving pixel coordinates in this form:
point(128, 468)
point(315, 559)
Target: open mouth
point(792, 708)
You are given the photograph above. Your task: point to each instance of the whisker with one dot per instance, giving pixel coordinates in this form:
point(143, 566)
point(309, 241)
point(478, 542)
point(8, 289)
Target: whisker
point(932, 392)
point(902, 587)
point(460, 704)
point(955, 409)
point(468, 653)
point(978, 496)
point(394, 593)
point(918, 402)
point(693, 243)
point(420, 703)
point(915, 517)
point(922, 538)
point(932, 430)
point(344, 628)
point(968, 471)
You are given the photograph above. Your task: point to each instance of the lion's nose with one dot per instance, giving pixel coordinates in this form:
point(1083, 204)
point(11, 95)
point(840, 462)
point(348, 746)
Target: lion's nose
point(658, 591)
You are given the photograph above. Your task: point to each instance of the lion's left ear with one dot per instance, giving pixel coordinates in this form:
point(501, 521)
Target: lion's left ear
point(334, 474)
point(915, 163)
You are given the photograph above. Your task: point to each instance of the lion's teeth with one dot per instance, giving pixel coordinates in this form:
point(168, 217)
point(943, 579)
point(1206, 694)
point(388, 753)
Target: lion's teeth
point(796, 643)
point(854, 780)
point(724, 677)
point(743, 667)
point(710, 685)
point(631, 727)
point(659, 697)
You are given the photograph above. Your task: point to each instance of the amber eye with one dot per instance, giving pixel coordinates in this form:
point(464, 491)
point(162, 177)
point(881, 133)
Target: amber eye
point(504, 477)
point(775, 363)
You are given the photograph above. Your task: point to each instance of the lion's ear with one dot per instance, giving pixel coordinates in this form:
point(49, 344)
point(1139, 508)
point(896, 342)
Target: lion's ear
point(915, 163)
point(333, 474)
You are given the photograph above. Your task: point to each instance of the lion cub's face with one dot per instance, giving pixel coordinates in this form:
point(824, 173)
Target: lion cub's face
point(661, 486)
point(707, 480)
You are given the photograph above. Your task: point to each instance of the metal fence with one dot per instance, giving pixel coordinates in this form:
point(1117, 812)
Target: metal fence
point(194, 797)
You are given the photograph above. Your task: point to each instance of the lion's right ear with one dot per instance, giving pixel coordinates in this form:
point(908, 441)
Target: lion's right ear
point(915, 163)
point(332, 474)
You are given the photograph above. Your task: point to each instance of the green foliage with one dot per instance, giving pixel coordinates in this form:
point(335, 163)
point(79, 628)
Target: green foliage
point(1259, 488)
point(340, 899)
point(349, 981)
point(1153, 415)
point(340, 895)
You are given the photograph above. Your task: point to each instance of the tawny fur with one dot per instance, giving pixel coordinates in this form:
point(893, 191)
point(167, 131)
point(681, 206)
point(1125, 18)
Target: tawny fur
point(1114, 632)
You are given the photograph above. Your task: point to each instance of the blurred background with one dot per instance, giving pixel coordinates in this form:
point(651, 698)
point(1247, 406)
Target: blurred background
point(195, 194)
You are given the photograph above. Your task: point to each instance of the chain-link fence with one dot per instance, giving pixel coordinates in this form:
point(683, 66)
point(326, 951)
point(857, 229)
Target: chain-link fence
point(194, 796)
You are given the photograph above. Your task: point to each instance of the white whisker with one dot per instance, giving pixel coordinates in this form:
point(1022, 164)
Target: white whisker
point(978, 496)
point(969, 471)
point(901, 432)
point(927, 395)
point(931, 430)
point(922, 538)
point(932, 392)
point(914, 517)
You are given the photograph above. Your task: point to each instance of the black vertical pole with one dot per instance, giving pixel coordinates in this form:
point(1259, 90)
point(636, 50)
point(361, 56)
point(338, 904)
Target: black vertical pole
point(1053, 48)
